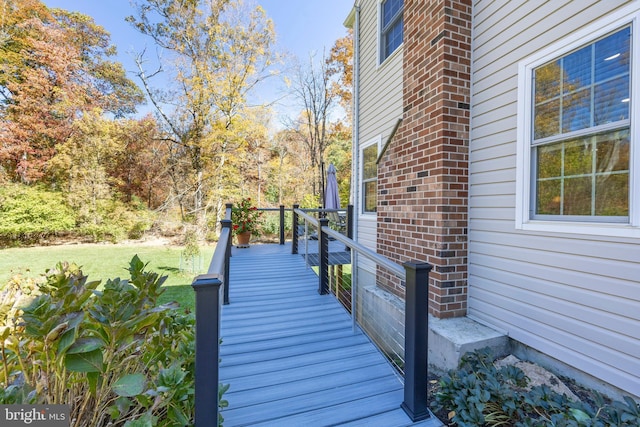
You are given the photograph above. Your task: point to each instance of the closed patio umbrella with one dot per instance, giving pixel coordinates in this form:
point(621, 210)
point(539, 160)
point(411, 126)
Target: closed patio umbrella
point(331, 196)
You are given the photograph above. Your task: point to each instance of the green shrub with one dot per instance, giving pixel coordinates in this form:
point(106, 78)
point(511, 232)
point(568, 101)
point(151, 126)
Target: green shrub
point(112, 354)
point(479, 394)
point(271, 225)
point(114, 221)
point(31, 213)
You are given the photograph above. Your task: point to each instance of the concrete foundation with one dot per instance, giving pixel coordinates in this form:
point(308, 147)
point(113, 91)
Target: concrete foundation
point(381, 314)
point(450, 339)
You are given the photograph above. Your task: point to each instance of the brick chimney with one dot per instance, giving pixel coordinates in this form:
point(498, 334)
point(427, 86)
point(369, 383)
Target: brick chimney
point(423, 175)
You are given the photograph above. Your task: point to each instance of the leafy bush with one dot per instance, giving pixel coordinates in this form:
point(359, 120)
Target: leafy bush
point(113, 220)
point(271, 226)
point(479, 394)
point(111, 354)
point(30, 213)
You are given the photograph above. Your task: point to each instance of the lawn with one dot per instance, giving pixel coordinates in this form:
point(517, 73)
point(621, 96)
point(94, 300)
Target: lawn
point(105, 261)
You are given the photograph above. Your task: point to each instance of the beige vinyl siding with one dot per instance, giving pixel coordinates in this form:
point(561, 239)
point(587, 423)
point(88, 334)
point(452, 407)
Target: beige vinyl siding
point(380, 99)
point(573, 297)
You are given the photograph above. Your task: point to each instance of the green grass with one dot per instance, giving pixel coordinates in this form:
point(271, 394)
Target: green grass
point(105, 261)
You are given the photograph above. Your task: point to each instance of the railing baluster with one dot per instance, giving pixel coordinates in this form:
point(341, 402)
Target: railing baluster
point(226, 223)
point(282, 224)
point(415, 348)
point(294, 226)
point(350, 221)
point(323, 254)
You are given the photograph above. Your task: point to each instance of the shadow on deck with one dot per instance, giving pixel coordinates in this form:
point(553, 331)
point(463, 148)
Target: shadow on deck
point(292, 356)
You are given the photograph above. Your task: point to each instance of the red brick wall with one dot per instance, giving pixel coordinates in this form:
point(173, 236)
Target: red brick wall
point(423, 176)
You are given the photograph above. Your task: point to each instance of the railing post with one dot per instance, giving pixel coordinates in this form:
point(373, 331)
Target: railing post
point(294, 227)
point(350, 221)
point(282, 224)
point(323, 254)
point(415, 345)
point(207, 289)
point(226, 223)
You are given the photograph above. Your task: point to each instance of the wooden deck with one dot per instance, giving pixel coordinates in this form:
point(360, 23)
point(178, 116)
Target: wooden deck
point(291, 355)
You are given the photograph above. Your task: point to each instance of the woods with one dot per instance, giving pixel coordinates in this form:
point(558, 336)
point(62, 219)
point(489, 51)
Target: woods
point(70, 127)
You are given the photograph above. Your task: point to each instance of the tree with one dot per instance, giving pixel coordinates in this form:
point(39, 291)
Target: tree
point(139, 167)
point(311, 88)
point(340, 66)
point(219, 50)
point(55, 65)
point(319, 88)
point(82, 161)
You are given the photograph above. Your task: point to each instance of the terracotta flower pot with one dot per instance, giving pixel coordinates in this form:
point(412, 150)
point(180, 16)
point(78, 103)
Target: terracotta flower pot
point(243, 239)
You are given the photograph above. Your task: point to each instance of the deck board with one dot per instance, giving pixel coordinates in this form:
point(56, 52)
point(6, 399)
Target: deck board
point(292, 357)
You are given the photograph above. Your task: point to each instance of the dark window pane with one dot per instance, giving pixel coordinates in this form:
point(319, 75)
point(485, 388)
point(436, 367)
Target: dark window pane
point(578, 157)
point(612, 195)
point(611, 101)
point(392, 27)
point(577, 70)
point(548, 197)
point(612, 55)
point(370, 196)
point(550, 161)
point(389, 9)
point(567, 180)
point(547, 120)
point(547, 82)
point(577, 196)
point(370, 168)
point(393, 39)
point(576, 111)
point(612, 152)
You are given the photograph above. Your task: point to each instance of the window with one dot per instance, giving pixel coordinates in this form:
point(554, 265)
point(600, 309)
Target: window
point(391, 23)
point(369, 178)
point(576, 134)
point(580, 141)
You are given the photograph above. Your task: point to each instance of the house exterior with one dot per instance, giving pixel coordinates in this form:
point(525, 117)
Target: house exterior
point(498, 141)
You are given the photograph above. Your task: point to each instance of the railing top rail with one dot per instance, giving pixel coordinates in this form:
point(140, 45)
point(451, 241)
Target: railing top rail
point(307, 217)
point(273, 209)
point(396, 269)
point(218, 260)
point(321, 210)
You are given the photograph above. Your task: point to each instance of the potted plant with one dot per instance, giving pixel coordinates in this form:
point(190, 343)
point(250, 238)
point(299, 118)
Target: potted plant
point(246, 220)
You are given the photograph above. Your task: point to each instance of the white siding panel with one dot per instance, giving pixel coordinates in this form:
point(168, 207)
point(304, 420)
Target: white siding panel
point(491, 177)
point(574, 297)
point(380, 100)
point(570, 264)
point(612, 313)
point(570, 349)
point(495, 189)
point(492, 164)
point(492, 213)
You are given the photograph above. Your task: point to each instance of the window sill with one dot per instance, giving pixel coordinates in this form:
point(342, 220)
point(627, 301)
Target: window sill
point(390, 57)
point(583, 228)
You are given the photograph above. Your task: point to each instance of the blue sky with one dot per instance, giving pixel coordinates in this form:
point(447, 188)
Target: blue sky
point(302, 26)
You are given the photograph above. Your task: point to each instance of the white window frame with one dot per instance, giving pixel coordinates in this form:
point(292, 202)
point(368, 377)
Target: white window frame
point(376, 142)
point(381, 59)
point(629, 15)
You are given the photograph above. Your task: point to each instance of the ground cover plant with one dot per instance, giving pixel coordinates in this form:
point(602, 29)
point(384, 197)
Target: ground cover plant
point(114, 355)
point(479, 394)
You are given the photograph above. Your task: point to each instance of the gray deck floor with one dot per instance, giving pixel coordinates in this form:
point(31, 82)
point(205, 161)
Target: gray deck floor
point(291, 355)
